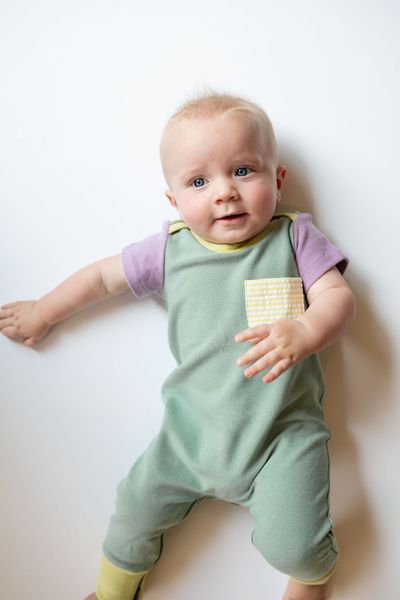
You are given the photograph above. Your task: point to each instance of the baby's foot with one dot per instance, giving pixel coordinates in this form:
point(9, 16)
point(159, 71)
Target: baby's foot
point(91, 597)
point(299, 591)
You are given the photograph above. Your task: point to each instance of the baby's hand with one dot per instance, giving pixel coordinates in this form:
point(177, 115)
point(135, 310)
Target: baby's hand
point(22, 321)
point(280, 345)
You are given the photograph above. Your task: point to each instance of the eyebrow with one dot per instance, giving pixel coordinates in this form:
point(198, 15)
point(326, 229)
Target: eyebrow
point(190, 173)
point(249, 158)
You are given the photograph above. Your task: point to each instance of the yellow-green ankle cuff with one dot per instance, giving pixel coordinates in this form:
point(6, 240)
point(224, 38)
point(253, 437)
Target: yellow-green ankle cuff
point(115, 583)
point(317, 582)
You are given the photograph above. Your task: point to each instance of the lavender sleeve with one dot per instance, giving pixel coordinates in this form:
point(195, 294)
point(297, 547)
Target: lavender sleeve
point(315, 254)
point(143, 263)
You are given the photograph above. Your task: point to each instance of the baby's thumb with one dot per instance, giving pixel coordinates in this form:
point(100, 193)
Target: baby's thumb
point(30, 342)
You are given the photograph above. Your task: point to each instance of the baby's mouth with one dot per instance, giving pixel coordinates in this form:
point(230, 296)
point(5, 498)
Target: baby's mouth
point(232, 217)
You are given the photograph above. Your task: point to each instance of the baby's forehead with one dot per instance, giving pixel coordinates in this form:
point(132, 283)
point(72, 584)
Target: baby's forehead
point(256, 128)
point(252, 126)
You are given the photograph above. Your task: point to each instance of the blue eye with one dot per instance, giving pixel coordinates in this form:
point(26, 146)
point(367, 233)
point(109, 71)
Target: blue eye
point(198, 182)
point(242, 171)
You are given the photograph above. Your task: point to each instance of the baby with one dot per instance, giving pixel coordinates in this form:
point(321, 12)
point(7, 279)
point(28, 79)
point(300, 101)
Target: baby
point(231, 270)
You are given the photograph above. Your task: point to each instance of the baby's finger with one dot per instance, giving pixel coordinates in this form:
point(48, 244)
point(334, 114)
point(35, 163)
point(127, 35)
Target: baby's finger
point(11, 332)
point(9, 305)
point(257, 351)
point(259, 331)
point(282, 366)
point(6, 322)
point(255, 341)
point(6, 312)
point(30, 342)
point(267, 360)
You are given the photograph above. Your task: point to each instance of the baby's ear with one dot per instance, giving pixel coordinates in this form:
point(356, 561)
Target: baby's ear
point(171, 198)
point(280, 176)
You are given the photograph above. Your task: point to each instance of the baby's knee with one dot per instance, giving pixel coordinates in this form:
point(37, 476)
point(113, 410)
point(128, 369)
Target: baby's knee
point(308, 562)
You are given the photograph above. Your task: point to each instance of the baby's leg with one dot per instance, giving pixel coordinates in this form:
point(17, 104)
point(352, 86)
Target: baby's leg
point(289, 504)
point(158, 493)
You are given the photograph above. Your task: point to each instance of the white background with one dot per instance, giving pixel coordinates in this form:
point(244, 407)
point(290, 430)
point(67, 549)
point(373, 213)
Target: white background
point(85, 88)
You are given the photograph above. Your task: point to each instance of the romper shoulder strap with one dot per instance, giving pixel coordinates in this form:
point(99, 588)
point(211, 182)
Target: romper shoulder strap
point(177, 226)
point(289, 215)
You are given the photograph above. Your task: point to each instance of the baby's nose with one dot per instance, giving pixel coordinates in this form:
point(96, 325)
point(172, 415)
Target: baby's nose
point(225, 190)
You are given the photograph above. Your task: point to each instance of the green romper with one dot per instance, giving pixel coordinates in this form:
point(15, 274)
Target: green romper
point(260, 446)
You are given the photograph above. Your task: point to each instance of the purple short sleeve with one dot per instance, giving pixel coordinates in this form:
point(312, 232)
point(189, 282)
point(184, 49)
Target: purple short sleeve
point(315, 254)
point(143, 263)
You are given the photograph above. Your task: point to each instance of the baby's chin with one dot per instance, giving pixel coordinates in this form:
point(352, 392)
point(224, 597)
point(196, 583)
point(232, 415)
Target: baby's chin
point(231, 237)
point(234, 233)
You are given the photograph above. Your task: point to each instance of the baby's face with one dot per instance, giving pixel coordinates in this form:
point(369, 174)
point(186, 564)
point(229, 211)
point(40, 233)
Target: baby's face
point(222, 176)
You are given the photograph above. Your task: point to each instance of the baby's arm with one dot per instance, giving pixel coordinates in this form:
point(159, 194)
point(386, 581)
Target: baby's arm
point(29, 321)
point(286, 342)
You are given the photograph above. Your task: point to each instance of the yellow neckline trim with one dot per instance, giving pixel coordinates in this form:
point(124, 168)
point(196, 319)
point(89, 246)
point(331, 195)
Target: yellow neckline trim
point(223, 248)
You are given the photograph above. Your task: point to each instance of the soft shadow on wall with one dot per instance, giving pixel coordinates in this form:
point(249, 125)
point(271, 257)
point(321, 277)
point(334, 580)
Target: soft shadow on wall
point(356, 373)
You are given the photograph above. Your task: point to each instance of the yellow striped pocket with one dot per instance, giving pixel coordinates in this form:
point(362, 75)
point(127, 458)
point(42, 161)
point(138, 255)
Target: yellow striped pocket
point(270, 299)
